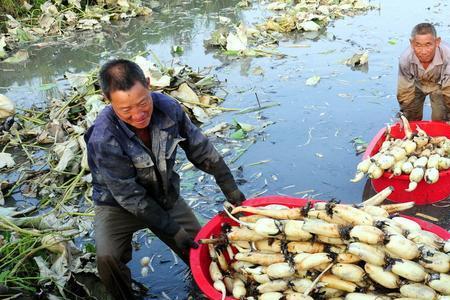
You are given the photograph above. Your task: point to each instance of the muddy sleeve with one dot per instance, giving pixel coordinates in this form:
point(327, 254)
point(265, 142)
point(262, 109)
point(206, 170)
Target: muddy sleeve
point(405, 85)
point(201, 152)
point(445, 83)
point(119, 174)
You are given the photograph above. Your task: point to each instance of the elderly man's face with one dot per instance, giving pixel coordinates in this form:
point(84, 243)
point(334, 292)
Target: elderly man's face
point(424, 46)
point(134, 107)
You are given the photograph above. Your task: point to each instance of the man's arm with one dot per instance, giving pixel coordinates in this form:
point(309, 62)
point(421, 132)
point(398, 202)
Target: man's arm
point(405, 85)
point(445, 83)
point(201, 152)
point(118, 173)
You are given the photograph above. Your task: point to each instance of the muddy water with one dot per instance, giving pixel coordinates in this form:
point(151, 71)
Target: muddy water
point(309, 147)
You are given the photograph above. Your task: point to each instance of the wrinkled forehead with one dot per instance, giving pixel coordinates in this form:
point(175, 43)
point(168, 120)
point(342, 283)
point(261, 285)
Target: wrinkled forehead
point(423, 38)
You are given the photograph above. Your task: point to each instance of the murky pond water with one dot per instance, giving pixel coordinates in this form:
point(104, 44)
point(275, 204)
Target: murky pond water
point(307, 152)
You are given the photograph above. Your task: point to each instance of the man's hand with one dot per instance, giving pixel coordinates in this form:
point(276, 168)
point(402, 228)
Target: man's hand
point(184, 241)
point(236, 197)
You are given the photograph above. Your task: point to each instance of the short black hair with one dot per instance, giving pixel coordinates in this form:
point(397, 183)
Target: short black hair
point(423, 28)
point(120, 75)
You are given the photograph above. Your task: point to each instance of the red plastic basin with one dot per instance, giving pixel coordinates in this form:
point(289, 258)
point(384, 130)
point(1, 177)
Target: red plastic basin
point(199, 258)
point(424, 193)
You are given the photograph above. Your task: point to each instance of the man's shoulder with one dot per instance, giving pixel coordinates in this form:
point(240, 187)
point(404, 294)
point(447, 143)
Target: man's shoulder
point(406, 57)
point(103, 126)
point(166, 104)
point(445, 48)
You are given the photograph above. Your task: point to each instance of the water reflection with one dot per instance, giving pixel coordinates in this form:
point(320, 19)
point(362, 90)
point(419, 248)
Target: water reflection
point(178, 23)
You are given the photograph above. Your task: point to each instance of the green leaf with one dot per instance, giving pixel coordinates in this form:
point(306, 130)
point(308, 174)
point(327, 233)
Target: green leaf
point(244, 126)
point(392, 41)
point(23, 36)
point(90, 248)
point(4, 275)
point(231, 52)
point(358, 140)
point(206, 82)
point(312, 80)
point(238, 134)
point(177, 50)
point(18, 57)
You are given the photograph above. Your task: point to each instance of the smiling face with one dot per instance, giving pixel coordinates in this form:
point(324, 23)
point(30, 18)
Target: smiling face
point(134, 106)
point(424, 46)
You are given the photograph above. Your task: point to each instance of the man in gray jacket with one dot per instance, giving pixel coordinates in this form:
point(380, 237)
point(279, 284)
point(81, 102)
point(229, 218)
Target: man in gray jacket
point(424, 69)
point(131, 152)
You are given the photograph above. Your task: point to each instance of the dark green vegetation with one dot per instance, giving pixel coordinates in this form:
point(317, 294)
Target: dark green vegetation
point(18, 9)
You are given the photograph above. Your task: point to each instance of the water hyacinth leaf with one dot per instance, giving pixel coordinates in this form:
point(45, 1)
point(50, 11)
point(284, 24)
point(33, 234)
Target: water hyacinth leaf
point(245, 127)
point(48, 23)
point(185, 93)
point(49, 9)
point(6, 160)
point(238, 134)
point(2, 47)
point(18, 57)
point(7, 107)
point(200, 114)
point(78, 81)
point(359, 144)
point(177, 50)
point(218, 38)
point(94, 105)
point(76, 3)
point(88, 24)
point(243, 3)
point(359, 141)
point(27, 5)
point(123, 3)
point(235, 43)
point(144, 64)
point(224, 20)
point(72, 18)
point(358, 59)
point(392, 41)
point(56, 273)
point(238, 41)
point(309, 26)
point(157, 79)
point(217, 128)
point(313, 80)
point(66, 153)
point(206, 82)
point(205, 99)
point(276, 6)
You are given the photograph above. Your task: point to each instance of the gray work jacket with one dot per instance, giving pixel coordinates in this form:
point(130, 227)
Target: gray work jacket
point(413, 76)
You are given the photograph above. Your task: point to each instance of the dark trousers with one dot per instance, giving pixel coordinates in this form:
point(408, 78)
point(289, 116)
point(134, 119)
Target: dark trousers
point(414, 110)
point(114, 228)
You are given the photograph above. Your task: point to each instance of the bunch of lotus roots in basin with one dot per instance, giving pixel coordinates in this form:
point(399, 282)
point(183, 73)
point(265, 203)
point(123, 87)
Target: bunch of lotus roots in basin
point(418, 155)
point(328, 250)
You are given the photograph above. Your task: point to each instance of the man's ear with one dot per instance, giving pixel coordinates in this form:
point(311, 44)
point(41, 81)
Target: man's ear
point(106, 97)
point(148, 81)
point(438, 41)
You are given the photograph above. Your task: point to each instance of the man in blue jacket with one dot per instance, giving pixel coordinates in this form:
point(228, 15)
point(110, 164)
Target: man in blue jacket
point(131, 152)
